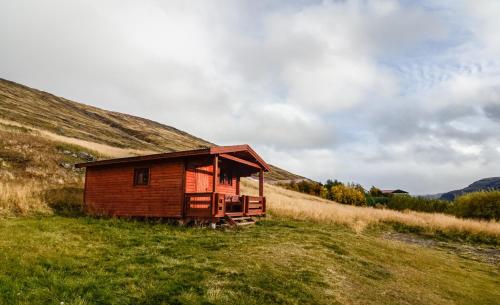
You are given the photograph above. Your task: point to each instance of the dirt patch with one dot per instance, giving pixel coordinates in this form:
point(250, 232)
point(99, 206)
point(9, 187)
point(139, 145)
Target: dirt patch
point(490, 255)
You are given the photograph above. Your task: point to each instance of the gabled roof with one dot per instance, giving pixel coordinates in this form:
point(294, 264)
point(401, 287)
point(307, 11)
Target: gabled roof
point(243, 152)
point(240, 149)
point(394, 191)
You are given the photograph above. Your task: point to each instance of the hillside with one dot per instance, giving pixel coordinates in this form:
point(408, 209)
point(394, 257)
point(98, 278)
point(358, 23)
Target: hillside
point(486, 184)
point(112, 134)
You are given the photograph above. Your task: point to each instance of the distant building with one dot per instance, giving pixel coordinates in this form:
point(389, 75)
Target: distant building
point(394, 192)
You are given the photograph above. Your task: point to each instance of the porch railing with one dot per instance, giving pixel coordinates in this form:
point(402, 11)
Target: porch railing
point(255, 205)
point(199, 204)
point(211, 204)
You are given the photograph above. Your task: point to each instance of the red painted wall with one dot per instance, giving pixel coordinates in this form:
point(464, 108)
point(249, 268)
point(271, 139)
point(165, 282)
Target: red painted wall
point(111, 191)
point(199, 178)
point(227, 189)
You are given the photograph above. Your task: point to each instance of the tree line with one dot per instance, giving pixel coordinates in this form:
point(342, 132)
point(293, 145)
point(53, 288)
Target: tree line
point(481, 205)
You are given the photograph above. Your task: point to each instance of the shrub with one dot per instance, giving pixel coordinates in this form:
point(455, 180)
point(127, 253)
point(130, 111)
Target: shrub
point(376, 201)
point(66, 201)
point(304, 186)
point(327, 194)
point(402, 202)
point(484, 205)
point(376, 192)
point(348, 194)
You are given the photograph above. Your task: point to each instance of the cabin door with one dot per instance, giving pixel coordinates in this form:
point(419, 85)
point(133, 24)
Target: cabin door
point(202, 178)
point(199, 177)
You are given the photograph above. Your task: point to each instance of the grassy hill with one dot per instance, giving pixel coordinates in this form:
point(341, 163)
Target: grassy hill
point(112, 134)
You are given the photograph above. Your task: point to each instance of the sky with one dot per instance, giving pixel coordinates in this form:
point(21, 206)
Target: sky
point(396, 94)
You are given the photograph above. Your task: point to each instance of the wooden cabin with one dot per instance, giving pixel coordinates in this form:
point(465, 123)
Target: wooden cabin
point(202, 184)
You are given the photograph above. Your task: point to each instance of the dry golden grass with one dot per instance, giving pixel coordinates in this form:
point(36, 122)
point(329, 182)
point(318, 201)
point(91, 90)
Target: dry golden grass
point(103, 149)
point(21, 199)
point(106, 150)
point(296, 205)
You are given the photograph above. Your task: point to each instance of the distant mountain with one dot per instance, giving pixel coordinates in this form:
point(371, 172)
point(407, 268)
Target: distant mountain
point(485, 184)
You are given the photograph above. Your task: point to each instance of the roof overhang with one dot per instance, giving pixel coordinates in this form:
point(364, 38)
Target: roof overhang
point(235, 149)
point(242, 154)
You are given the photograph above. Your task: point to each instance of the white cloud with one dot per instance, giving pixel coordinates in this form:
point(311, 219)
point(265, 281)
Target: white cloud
point(391, 93)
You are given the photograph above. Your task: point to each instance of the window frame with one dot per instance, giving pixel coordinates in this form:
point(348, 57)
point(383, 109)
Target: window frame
point(137, 171)
point(227, 171)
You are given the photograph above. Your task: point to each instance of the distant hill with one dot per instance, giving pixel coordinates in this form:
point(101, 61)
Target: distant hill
point(485, 184)
point(111, 133)
point(431, 196)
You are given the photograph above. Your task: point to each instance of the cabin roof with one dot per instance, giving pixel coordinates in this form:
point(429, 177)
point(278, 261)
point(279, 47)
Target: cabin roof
point(393, 191)
point(238, 153)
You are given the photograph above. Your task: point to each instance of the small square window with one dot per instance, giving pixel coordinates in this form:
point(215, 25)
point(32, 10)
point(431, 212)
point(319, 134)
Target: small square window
point(226, 178)
point(225, 174)
point(141, 176)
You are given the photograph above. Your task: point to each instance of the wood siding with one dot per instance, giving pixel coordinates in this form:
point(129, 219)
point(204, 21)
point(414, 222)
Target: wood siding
point(199, 175)
point(110, 190)
point(199, 178)
point(227, 189)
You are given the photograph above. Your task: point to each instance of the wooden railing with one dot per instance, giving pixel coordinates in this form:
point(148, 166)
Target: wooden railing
point(215, 205)
point(199, 204)
point(255, 205)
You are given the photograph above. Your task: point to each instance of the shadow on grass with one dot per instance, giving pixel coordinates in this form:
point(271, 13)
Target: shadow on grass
point(65, 201)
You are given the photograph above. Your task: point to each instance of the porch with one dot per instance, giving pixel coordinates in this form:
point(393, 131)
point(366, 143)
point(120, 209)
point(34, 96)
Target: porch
point(212, 205)
point(213, 190)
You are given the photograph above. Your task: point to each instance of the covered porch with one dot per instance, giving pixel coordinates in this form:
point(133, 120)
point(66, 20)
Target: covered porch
point(224, 199)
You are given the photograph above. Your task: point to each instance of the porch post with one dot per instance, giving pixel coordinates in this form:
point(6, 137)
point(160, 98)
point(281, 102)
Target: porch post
point(214, 189)
point(261, 183)
point(216, 172)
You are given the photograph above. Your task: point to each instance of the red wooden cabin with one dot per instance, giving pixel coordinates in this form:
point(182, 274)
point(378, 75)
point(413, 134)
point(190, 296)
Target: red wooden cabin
point(197, 184)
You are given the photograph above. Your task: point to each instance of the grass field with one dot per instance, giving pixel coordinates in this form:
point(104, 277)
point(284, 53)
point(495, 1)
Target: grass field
point(54, 259)
point(309, 251)
point(300, 206)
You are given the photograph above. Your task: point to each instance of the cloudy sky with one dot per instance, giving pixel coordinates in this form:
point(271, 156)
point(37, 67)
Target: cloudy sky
point(398, 94)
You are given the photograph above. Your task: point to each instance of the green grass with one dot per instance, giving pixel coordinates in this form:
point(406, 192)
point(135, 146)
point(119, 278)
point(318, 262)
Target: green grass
point(49, 260)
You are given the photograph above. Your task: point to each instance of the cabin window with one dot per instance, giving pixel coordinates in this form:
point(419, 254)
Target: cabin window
point(225, 175)
point(141, 176)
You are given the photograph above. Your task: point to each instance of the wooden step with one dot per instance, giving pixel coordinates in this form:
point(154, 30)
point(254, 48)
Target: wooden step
point(245, 223)
point(235, 214)
point(239, 221)
point(242, 218)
